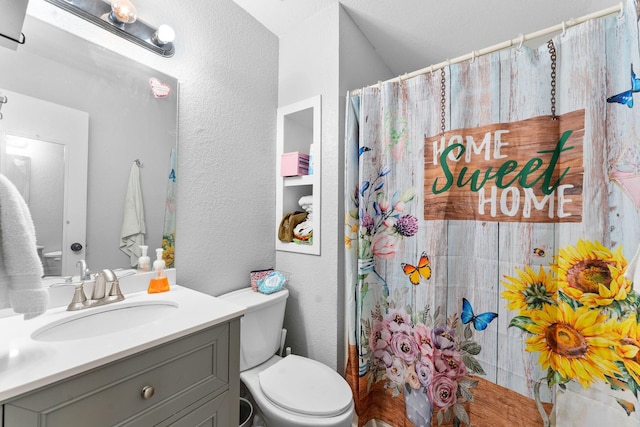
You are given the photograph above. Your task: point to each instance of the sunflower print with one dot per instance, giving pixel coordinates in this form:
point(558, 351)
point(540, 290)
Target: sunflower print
point(576, 344)
point(629, 348)
point(592, 274)
point(530, 290)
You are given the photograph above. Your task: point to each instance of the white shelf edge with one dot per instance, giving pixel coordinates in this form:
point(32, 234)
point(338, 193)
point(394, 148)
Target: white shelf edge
point(295, 247)
point(292, 181)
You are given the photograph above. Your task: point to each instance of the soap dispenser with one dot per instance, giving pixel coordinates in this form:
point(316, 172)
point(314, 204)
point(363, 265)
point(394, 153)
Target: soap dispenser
point(158, 283)
point(144, 262)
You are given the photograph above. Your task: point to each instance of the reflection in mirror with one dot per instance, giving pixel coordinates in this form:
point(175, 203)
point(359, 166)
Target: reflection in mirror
point(37, 169)
point(44, 132)
point(126, 121)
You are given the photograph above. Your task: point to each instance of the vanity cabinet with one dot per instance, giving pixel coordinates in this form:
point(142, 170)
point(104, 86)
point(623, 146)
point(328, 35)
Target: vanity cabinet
point(192, 380)
point(298, 130)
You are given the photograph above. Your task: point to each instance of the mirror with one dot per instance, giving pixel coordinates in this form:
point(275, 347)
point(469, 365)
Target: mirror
point(130, 117)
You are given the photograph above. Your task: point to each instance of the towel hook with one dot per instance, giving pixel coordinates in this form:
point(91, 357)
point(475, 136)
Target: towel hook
point(3, 100)
point(18, 40)
point(138, 163)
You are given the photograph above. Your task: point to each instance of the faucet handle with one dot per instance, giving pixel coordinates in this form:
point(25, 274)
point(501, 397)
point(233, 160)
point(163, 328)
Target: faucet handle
point(79, 300)
point(115, 294)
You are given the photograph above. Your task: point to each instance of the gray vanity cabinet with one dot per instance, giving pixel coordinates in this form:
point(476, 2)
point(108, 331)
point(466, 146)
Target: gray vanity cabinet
point(189, 381)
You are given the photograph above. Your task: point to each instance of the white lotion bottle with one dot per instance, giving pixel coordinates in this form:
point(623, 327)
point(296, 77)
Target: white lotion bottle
point(144, 262)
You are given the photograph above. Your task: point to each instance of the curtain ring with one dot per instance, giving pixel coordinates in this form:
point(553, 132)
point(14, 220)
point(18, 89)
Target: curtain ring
point(564, 28)
point(520, 43)
point(473, 57)
point(621, 14)
point(431, 69)
point(379, 84)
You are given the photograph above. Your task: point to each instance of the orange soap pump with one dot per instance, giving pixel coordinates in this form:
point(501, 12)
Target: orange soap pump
point(159, 283)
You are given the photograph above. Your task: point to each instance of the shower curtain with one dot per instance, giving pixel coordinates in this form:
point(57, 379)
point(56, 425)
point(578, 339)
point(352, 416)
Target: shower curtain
point(492, 215)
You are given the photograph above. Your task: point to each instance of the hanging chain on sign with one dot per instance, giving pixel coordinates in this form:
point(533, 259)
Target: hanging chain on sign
point(443, 92)
point(552, 52)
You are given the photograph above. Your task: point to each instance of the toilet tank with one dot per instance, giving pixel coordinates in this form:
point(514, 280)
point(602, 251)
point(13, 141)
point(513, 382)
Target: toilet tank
point(261, 325)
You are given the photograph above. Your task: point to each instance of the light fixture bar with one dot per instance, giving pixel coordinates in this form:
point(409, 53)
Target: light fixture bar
point(97, 12)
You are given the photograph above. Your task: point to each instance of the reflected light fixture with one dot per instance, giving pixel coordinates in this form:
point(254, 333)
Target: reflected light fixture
point(123, 12)
point(120, 17)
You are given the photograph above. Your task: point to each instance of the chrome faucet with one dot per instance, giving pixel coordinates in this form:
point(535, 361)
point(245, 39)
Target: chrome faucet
point(85, 273)
point(99, 295)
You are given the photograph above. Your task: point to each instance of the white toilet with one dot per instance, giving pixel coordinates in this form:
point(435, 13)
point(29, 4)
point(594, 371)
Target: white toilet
point(292, 391)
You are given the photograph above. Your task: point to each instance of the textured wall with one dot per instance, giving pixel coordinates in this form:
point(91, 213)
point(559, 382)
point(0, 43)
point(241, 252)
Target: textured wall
point(227, 65)
point(312, 63)
point(309, 67)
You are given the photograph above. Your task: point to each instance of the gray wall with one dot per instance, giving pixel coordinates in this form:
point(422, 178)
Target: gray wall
point(232, 80)
point(326, 54)
point(227, 66)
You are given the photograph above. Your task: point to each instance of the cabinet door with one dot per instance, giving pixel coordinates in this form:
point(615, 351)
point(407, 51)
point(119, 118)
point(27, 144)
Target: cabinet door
point(213, 413)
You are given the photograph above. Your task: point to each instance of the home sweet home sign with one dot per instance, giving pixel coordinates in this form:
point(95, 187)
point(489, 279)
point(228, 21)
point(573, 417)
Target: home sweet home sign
point(526, 171)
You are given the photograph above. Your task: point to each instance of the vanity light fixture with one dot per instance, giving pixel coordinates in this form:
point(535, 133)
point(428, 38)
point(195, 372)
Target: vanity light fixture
point(120, 17)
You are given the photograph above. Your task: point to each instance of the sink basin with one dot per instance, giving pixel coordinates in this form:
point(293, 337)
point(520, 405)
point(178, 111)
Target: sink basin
point(104, 320)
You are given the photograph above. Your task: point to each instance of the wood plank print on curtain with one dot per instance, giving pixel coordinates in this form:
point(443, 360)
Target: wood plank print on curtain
point(491, 263)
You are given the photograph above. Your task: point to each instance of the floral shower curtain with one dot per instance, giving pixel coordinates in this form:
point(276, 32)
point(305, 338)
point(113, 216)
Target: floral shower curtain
point(490, 237)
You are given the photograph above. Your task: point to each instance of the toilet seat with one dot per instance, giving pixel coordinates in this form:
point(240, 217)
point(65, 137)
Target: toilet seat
point(322, 391)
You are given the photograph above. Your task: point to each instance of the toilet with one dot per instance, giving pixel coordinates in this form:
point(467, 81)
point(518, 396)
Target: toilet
point(291, 391)
point(52, 264)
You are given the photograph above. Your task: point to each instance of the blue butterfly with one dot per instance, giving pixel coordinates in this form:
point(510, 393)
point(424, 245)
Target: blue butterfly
point(626, 97)
point(363, 150)
point(481, 321)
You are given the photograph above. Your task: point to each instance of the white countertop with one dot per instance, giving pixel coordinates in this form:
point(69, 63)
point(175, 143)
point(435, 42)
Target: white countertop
point(27, 364)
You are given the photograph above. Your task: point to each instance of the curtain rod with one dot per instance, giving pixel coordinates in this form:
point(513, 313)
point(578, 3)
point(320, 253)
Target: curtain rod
point(518, 41)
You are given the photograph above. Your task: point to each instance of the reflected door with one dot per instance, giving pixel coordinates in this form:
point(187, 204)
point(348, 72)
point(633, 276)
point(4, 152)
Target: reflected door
point(43, 151)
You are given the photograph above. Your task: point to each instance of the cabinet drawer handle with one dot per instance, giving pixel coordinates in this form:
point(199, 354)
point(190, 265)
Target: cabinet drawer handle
point(147, 392)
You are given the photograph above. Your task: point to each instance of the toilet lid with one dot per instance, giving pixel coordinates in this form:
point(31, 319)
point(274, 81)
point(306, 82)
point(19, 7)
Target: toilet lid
point(305, 386)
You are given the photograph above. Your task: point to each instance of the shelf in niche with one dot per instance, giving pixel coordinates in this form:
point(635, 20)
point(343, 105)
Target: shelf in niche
point(298, 130)
point(294, 181)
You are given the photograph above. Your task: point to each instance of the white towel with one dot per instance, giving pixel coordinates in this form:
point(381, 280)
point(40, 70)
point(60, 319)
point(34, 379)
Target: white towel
point(306, 200)
point(133, 228)
point(21, 271)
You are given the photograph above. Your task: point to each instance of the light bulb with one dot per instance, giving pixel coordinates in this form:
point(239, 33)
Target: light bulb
point(164, 34)
point(123, 12)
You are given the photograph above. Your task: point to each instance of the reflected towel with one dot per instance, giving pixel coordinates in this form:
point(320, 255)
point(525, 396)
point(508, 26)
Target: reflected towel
point(21, 271)
point(133, 228)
